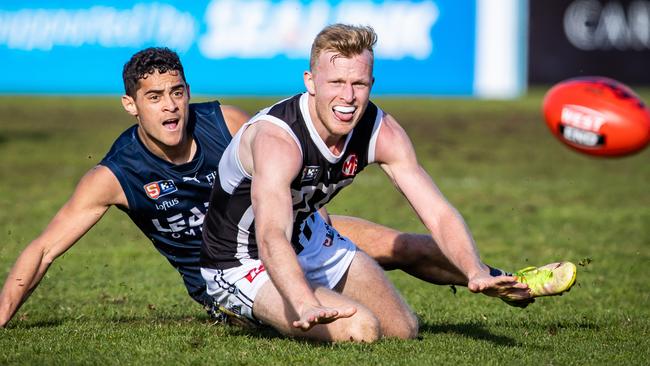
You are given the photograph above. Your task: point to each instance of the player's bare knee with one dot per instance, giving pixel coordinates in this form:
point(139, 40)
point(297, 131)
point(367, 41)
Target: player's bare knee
point(364, 328)
point(405, 327)
point(412, 327)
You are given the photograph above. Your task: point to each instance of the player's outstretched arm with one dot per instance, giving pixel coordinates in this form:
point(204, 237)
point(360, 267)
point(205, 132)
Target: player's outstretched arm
point(395, 154)
point(274, 160)
point(96, 191)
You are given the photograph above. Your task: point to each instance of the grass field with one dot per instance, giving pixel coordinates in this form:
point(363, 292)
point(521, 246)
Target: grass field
point(112, 299)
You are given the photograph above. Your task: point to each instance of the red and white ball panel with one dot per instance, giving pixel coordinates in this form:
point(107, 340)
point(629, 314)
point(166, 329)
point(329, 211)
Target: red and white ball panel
point(597, 116)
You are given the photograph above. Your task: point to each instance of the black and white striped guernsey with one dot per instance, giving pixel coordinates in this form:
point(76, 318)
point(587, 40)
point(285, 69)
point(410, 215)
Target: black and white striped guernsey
point(229, 227)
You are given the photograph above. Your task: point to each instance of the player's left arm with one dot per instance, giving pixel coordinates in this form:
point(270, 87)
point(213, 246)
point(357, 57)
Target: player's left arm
point(396, 156)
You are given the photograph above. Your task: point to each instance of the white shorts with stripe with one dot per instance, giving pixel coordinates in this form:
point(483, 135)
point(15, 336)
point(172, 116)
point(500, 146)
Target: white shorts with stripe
point(325, 259)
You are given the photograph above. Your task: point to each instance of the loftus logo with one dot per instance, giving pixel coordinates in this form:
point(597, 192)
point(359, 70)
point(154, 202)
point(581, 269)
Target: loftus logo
point(582, 117)
point(159, 188)
point(165, 205)
point(350, 165)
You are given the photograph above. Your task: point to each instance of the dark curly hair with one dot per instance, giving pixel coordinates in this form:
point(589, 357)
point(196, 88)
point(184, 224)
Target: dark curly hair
point(145, 63)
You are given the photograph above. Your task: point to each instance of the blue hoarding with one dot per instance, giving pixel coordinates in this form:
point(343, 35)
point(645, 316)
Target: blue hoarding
point(251, 47)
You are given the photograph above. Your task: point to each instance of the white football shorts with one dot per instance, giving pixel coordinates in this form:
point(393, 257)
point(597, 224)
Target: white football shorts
point(325, 259)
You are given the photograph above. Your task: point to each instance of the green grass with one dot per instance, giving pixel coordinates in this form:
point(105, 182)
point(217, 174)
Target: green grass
point(528, 200)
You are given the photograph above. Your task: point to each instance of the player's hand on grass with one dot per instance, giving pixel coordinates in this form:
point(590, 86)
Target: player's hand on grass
point(311, 315)
point(505, 287)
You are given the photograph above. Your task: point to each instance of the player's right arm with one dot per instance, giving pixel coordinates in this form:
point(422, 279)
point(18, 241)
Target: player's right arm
point(273, 159)
point(96, 192)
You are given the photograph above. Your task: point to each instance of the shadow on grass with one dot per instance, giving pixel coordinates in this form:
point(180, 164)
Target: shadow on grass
point(127, 320)
point(28, 324)
point(469, 330)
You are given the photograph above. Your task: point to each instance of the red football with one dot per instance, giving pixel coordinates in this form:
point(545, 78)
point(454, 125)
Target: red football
point(597, 116)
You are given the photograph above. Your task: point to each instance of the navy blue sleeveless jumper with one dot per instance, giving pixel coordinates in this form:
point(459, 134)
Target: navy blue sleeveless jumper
point(168, 202)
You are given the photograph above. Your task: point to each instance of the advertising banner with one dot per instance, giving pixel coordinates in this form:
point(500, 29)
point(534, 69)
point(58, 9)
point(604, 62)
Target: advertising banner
point(589, 37)
point(255, 47)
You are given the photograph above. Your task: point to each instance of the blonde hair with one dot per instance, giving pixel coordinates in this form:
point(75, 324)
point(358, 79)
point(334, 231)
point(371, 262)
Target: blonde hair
point(343, 39)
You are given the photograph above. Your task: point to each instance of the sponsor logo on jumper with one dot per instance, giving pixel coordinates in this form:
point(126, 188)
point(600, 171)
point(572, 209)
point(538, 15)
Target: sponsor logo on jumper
point(250, 276)
point(160, 188)
point(211, 177)
point(191, 179)
point(310, 172)
point(350, 165)
point(182, 224)
point(164, 205)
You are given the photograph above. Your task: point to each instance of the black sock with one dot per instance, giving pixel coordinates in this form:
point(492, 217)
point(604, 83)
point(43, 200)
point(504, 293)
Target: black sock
point(494, 272)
